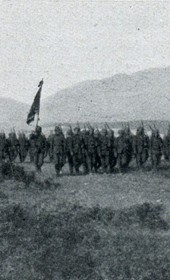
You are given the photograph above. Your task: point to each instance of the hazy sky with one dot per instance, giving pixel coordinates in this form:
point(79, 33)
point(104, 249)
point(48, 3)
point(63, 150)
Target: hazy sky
point(67, 42)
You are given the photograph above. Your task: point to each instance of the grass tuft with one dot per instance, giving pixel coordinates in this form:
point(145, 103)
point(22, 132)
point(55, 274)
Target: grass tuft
point(76, 242)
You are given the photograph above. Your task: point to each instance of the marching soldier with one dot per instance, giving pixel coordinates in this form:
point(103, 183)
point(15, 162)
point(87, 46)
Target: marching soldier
point(77, 149)
point(97, 150)
point(120, 148)
point(84, 138)
point(141, 147)
point(32, 146)
point(69, 149)
point(50, 145)
point(91, 150)
point(104, 147)
point(23, 146)
point(12, 146)
point(112, 150)
point(123, 150)
point(166, 145)
point(3, 146)
point(128, 140)
point(40, 148)
point(156, 146)
point(59, 152)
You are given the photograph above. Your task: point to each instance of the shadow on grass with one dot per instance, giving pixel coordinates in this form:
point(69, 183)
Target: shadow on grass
point(10, 171)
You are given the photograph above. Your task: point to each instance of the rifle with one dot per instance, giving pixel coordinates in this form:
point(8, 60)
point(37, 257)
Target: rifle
point(90, 126)
point(70, 127)
point(107, 126)
point(152, 130)
point(128, 128)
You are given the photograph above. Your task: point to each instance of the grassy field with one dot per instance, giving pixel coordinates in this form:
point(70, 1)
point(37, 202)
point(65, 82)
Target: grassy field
point(85, 227)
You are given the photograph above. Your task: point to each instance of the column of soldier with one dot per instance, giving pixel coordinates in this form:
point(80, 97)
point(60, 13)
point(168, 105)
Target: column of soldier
point(92, 149)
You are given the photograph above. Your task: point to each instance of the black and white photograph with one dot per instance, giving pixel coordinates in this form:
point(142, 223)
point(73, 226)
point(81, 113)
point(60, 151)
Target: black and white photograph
point(84, 140)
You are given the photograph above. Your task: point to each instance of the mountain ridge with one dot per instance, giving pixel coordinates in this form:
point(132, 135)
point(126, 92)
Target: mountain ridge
point(120, 97)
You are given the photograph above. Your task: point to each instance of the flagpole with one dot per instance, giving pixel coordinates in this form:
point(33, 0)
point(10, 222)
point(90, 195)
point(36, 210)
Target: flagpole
point(37, 120)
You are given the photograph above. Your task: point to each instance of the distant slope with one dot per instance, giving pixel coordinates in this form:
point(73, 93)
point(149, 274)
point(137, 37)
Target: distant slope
point(121, 97)
point(142, 95)
point(13, 114)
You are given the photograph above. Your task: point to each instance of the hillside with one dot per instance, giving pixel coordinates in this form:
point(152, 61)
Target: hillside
point(13, 113)
point(141, 95)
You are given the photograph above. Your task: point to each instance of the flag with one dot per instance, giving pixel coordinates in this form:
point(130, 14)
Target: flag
point(35, 108)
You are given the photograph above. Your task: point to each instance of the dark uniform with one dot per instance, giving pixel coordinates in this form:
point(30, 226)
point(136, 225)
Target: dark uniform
point(123, 150)
point(69, 149)
point(50, 146)
point(91, 151)
point(12, 146)
point(156, 147)
point(141, 147)
point(40, 148)
point(84, 152)
point(32, 146)
point(104, 147)
point(112, 150)
point(23, 147)
point(3, 146)
point(59, 153)
point(128, 145)
point(97, 150)
point(166, 146)
point(77, 149)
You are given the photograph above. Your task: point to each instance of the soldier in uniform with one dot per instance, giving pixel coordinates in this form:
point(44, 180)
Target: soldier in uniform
point(50, 145)
point(166, 145)
point(97, 150)
point(12, 146)
point(59, 150)
point(32, 146)
point(84, 152)
point(69, 149)
point(120, 148)
point(112, 150)
point(40, 148)
point(123, 150)
point(104, 147)
point(3, 146)
point(128, 141)
point(77, 149)
point(156, 147)
point(23, 146)
point(91, 151)
point(141, 147)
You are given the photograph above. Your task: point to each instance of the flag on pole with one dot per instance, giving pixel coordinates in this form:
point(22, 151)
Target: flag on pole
point(35, 108)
